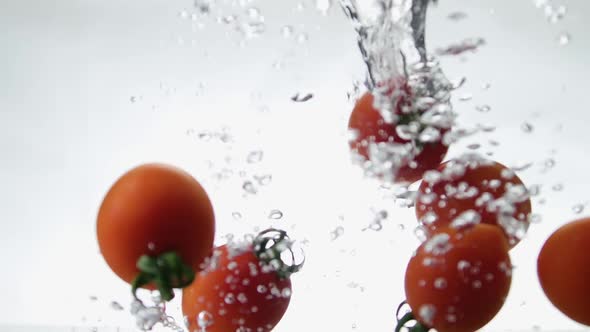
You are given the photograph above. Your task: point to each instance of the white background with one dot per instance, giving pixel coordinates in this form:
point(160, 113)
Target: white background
point(68, 127)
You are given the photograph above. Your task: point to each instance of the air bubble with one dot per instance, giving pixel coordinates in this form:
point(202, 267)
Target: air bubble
point(323, 6)
point(440, 283)
point(483, 108)
point(287, 31)
point(302, 38)
point(526, 127)
point(116, 306)
point(438, 244)
point(204, 319)
point(249, 187)
point(427, 312)
point(578, 208)
point(255, 156)
point(336, 233)
point(557, 187)
point(275, 214)
point(564, 38)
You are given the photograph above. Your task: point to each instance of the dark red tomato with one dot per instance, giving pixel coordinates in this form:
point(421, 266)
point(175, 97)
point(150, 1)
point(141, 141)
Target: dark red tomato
point(459, 279)
point(471, 187)
point(237, 293)
point(563, 267)
point(369, 127)
point(162, 214)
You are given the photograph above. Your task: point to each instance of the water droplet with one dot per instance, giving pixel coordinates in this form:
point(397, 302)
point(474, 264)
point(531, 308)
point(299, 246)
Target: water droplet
point(557, 187)
point(427, 312)
point(323, 6)
point(204, 319)
point(255, 156)
point(564, 38)
point(474, 146)
point(438, 244)
point(249, 187)
point(578, 208)
point(236, 215)
point(465, 97)
point(286, 292)
point(483, 108)
point(301, 98)
point(116, 306)
point(275, 214)
point(457, 16)
point(336, 233)
point(430, 135)
point(302, 38)
point(287, 31)
point(440, 283)
point(229, 298)
point(526, 127)
point(253, 13)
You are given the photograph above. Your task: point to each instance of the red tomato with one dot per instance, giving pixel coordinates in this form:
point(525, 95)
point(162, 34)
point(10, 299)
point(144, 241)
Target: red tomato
point(162, 215)
point(458, 279)
point(472, 189)
point(563, 267)
point(370, 128)
point(239, 292)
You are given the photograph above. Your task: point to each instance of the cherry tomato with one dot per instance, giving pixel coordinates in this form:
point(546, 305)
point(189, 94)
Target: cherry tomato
point(240, 291)
point(458, 280)
point(370, 128)
point(156, 215)
point(473, 189)
point(563, 267)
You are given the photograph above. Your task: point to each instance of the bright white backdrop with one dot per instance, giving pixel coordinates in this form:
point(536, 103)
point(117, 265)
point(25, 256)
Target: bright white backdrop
point(91, 88)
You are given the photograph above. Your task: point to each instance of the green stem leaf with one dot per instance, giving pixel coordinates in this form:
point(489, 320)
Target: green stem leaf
point(167, 271)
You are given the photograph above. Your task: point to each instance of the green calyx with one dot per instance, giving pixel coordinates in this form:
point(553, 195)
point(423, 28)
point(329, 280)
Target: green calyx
point(407, 318)
point(270, 246)
point(167, 271)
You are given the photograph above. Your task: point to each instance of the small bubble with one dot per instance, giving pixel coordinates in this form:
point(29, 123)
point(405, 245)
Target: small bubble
point(302, 38)
point(236, 215)
point(578, 208)
point(465, 97)
point(440, 283)
point(261, 289)
point(476, 284)
point(275, 214)
point(253, 13)
point(204, 319)
point(286, 292)
point(486, 86)
point(287, 31)
point(564, 38)
point(474, 146)
point(323, 6)
point(133, 99)
point(249, 187)
point(557, 187)
point(263, 180)
point(336, 233)
point(229, 298)
point(116, 306)
point(301, 98)
point(255, 156)
point(526, 127)
point(457, 16)
point(427, 312)
point(535, 218)
point(483, 108)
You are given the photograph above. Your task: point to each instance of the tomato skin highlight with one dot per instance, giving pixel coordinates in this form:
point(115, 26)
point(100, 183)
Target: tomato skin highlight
point(150, 210)
point(259, 298)
point(487, 177)
point(370, 127)
point(563, 268)
point(461, 284)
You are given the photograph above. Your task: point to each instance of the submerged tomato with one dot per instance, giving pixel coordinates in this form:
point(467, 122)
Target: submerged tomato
point(238, 292)
point(473, 189)
point(155, 210)
point(458, 280)
point(563, 267)
point(370, 128)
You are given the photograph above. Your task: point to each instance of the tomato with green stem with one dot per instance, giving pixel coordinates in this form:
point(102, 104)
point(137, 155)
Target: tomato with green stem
point(409, 157)
point(246, 287)
point(458, 280)
point(155, 228)
point(563, 268)
point(474, 189)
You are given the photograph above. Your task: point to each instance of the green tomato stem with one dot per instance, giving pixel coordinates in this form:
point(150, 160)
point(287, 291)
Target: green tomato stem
point(167, 271)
